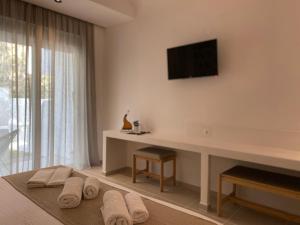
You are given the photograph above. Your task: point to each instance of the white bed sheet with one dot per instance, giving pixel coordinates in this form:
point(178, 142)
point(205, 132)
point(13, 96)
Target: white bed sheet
point(16, 209)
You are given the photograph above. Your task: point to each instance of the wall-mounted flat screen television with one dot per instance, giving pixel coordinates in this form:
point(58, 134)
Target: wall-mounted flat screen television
point(193, 60)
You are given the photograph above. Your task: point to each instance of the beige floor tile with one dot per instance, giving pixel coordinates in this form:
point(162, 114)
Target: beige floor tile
point(228, 211)
point(189, 198)
point(291, 223)
point(246, 216)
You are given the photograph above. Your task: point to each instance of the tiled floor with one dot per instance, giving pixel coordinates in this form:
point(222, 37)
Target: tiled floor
point(188, 197)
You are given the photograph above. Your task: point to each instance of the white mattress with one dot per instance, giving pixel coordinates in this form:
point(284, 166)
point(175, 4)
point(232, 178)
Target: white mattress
point(16, 209)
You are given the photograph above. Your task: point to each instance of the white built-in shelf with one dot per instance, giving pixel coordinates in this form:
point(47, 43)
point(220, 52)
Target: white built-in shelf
point(272, 156)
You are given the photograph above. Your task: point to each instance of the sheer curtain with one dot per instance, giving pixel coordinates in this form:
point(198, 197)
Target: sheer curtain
point(44, 77)
point(17, 44)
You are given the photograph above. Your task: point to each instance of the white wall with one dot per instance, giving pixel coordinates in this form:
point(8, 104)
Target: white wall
point(259, 47)
point(255, 98)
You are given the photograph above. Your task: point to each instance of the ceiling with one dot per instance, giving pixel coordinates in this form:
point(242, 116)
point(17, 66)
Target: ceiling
point(104, 13)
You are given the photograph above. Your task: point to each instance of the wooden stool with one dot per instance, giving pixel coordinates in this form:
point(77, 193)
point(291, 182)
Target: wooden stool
point(280, 184)
point(155, 155)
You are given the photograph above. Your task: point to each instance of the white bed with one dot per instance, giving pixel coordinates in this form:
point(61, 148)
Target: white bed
point(16, 209)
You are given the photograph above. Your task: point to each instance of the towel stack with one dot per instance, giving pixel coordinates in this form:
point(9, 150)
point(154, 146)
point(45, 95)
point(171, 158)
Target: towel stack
point(117, 211)
point(136, 208)
point(74, 187)
point(91, 188)
point(40, 178)
point(49, 177)
point(70, 197)
point(114, 209)
point(59, 176)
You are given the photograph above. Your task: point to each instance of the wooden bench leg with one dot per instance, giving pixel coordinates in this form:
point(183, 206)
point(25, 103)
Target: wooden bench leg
point(219, 200)
point(174, 171)
point(134, 169)
point(162, 176)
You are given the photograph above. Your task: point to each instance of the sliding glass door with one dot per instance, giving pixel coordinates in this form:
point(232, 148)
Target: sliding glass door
point(42, 97)
point(15, 106)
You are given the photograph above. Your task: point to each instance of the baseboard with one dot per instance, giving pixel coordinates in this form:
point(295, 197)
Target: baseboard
point(115, 171)
point(183, 184)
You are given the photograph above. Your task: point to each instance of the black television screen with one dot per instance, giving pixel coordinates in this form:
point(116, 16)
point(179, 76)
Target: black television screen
point(193, 60)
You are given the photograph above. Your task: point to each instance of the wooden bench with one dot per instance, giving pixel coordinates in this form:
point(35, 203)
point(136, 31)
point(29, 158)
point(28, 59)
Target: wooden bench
point(284, 185)
point(155, 155)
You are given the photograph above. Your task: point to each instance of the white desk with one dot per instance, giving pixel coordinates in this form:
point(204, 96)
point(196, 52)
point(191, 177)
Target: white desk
point(114, 158)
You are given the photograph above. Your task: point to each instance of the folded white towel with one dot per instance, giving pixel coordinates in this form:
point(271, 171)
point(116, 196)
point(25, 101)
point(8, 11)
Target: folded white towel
point(59, 176)
point(91, 188)
point(70, 197)
point(40, 178)
point(136, 208)
point(114, 209)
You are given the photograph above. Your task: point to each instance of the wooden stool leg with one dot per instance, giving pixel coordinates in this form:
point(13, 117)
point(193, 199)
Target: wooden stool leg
point(147, 167)
point(162, 176)
point(174, 171)
point(234, 188)
point(219, 200)
point(134, 169)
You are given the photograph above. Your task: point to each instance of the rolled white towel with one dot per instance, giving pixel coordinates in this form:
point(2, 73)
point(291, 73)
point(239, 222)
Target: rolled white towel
point(59, 176)
point(70, 197)
point(136, 208)
point(40, 178)
point(114, 209)
point(91, 188)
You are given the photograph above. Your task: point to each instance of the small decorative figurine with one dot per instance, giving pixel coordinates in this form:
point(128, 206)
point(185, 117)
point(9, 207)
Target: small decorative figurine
point(126, 124)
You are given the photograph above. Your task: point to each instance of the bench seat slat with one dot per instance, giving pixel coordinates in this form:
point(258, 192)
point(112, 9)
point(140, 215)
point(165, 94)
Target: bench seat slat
point(285, 185)
point(265, 177)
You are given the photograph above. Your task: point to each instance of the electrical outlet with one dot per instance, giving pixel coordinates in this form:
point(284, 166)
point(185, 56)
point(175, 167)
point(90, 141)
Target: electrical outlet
point(194, 129)
point(206, 132)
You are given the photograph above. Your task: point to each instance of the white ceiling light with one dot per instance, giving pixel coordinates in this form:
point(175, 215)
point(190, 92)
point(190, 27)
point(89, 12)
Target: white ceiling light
point(58, 1)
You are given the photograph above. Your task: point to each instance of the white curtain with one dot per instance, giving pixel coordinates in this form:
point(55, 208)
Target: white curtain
point(63, 101)
point(42, 87)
